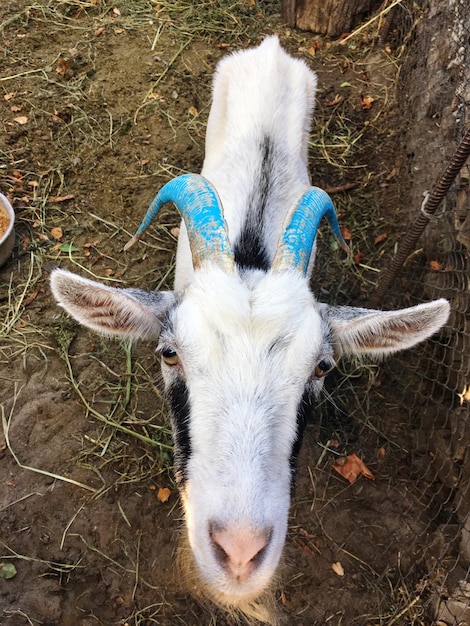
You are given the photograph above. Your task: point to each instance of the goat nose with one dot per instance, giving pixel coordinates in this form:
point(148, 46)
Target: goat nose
point(239, 549)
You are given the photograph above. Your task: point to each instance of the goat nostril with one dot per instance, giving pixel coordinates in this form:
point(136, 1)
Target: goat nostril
point(239, 549)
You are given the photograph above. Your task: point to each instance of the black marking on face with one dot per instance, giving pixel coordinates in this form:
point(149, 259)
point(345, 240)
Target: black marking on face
point(178, 398)
point(249, 249)
point(304, 412)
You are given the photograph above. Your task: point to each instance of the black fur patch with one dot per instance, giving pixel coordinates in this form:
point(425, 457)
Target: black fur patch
point(178, 398)
point(250, 251)
point(304, 413)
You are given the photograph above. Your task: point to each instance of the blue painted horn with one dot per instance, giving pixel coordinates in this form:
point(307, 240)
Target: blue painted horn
point(300, 228)
point(201, 209)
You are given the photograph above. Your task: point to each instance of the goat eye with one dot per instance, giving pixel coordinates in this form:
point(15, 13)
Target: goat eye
point(323, 368)
point(169, 356)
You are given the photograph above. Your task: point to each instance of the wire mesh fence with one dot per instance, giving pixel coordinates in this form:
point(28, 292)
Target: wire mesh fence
point(418, 405)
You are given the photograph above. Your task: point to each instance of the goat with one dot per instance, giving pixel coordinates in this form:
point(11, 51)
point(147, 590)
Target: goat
point(244, 343)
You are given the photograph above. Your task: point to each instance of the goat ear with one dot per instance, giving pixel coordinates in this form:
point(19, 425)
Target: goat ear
point(125, 312)
point(378, 333)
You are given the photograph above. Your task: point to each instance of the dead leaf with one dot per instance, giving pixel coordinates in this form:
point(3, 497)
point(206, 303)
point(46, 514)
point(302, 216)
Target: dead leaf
point(337, 568)
point(193, 111)
point(366, 101)
point(70, 196)
point(346, 233)
point(116, 11)
point(316, 45)
point(163, 494)
point(57, 232)
point(358, 258)
point(22, 119)
point(380, 238)
point(336, 100)
point(175, 231)
point(351, 467)
point(99, 31)
point(108, 272)
point(31, 298)
point(92, 244)
point(381, 453)
point(63, 68)
point(435, 265)
point(9, 96)
point(15, 109)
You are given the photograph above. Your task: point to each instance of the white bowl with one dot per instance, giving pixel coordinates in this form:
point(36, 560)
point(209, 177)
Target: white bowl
point(7, 240)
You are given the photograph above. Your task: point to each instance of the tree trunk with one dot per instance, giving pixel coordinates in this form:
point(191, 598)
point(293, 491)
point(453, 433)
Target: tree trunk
point(328, 17)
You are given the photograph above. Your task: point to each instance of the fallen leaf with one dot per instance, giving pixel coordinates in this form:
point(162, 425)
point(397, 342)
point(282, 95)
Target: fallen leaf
point(351, 467)
point(358, 258)
point(57, 232)
point(68, 248)
point(116, 11)
point(108, 272)
point(193, 111)
point(366, 101)
point(9, 96)
point(380, 238)
point(336, 100)
point(316, 45)
point(92, 244)
point(7, 570)
point(99, 31)
point(15, 108)
point(163, 494)
point(22, 119)
point(175, 231)
point(346, 234)
point(381, 453)
point(63, 67)
point(70, 196)
point(32, 297)
point(337, 568)
point(435, 265)
point(392, 173)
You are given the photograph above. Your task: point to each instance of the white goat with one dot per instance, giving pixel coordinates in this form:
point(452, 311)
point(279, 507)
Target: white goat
point(243, 341)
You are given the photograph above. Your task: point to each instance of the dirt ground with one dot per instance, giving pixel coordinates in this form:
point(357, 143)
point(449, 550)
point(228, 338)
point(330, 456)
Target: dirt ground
point(101, 103)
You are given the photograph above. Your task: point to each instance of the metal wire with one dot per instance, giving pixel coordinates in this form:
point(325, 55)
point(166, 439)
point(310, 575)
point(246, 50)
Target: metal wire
point(433, 201)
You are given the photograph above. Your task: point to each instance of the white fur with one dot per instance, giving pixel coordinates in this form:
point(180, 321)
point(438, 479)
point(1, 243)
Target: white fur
point(257, 91)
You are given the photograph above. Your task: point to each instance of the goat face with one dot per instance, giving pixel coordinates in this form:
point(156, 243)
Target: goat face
point(241, 356)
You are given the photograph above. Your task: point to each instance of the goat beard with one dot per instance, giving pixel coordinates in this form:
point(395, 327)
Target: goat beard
point(263, 608)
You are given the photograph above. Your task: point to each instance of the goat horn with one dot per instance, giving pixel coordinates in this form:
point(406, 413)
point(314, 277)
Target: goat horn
point(201, 209)
point(301, 225)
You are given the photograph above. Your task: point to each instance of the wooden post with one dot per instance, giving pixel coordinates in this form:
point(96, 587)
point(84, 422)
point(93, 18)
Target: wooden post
point(327, 17)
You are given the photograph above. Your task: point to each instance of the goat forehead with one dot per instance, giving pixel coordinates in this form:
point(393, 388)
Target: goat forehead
point(221, 309)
